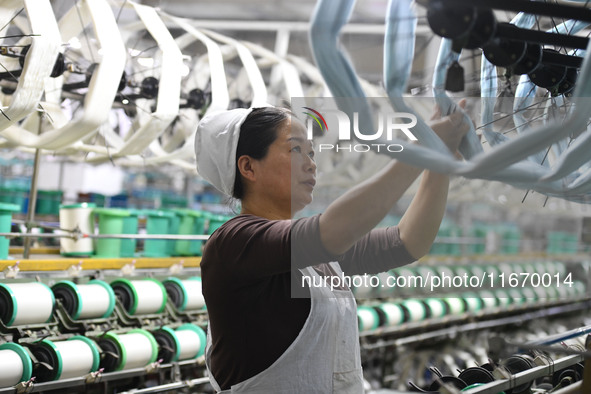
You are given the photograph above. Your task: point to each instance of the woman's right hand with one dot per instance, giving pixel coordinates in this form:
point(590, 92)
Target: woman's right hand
point(451, 128)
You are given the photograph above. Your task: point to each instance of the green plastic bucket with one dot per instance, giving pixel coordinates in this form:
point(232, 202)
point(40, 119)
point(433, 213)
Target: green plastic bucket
point(110, 222)
point(173, 229)
point(198, 229)
point(130, 226)
point(6, 211)
point(158, 222)
point(188, 226)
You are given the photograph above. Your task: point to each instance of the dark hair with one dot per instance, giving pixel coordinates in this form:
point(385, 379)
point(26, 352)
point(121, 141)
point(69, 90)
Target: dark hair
point(257, 133)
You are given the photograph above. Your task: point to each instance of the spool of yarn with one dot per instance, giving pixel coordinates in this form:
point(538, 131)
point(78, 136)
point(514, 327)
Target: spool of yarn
point(503, 297)
point(489, 299)
point(394, 313)
point(367, 318)
point(25, 303)
point(516, 296)
point(455, 305)
point(529, 295)
point(15, 364)
point(473, 302)
point(185, 294)
point(169, 347)
point(192, 341)
point(95, 299)
point(79, 356)
point(134, 349)
point(141, 296)
point(49, 366)
point(77, 216)
point(416, 310)
point(436, 306)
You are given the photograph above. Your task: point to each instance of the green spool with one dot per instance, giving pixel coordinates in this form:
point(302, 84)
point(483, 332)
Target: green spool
point(170, 333)
point(200, 333)
point(110, 222)
point(6, 211)
point(96, 358)
point(24, 356)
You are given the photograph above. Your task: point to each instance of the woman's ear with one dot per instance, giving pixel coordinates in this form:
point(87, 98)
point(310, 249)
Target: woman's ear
point(246, 168)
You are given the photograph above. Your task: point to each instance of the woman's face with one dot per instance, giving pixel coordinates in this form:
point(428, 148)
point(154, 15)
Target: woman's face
point(289, 171)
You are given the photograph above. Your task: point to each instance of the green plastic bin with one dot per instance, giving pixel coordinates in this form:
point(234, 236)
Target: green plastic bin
point(195, 247)
point(158, 222)
point(6, 211)
point(130, 226)
point(110, 222)
point(173, 229)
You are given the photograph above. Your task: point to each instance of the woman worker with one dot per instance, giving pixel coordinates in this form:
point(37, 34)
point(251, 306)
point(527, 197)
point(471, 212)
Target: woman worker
point(262, 338)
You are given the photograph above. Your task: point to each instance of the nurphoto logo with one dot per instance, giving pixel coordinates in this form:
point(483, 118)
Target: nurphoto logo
point(387, 125)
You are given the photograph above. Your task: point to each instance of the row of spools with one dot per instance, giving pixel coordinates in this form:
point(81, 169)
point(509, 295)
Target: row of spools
point(33, 302)
point(79, 356)
point(30, 304)
point(417, 279)
point(396, 313)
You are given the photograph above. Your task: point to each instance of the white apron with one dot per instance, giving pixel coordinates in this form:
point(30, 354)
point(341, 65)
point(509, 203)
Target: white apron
point(324, 358)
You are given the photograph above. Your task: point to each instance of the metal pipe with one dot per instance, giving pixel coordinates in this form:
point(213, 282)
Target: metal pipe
point(33, 196)
point(512, 32)
point(577, 332)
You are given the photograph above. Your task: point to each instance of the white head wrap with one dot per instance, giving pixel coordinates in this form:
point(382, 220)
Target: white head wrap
point(216, 141)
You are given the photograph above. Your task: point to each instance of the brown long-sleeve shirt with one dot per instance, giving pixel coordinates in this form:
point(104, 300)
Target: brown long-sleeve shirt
point(249, 267)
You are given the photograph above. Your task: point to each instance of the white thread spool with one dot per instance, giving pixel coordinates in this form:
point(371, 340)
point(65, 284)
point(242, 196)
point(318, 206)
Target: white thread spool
point(15, 364)
point(473, 302)
point(169, 347)
point(142, 296)
point(79, 355)
point(394, 313)
point(416, 310)
point(456, 305)
point(529, 294)
point(186, 294)
point(25, 303)
point(489, 299)
point(136, 348)
point(77, 216)
point(503, 297)
point(436, 306)
point(192, 341)
point(367, 318)
point(95, 299)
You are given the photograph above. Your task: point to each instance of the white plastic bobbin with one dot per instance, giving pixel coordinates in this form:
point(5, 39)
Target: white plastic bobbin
point(186, 294)
point(416, 310)
point(25, 303)
point(367, 318)
point(141, 296)
point(79, 355)
point(15, 364)
point(95, 299)
point(192, 341)
point(394, 313)
point(134, 349)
